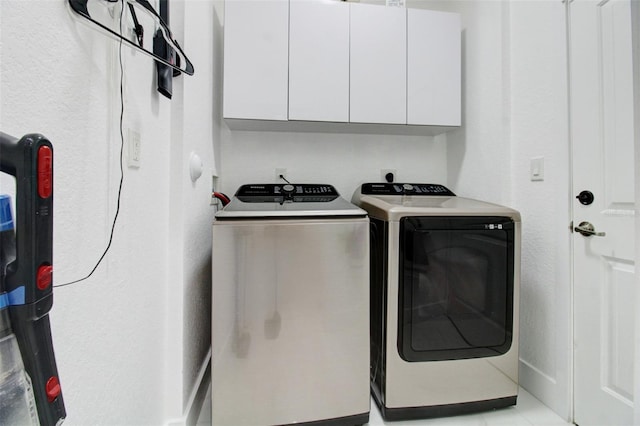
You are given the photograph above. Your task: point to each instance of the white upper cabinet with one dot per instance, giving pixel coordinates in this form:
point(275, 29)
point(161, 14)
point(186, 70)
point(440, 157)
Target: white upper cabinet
point(256, 59)
point(378, 88)
point(319, 60)
point(433, 68)
point(351, 64)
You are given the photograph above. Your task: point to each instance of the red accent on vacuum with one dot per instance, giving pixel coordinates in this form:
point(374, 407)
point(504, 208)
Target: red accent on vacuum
point(45, 172)
point(43, 277)
point(53, 388)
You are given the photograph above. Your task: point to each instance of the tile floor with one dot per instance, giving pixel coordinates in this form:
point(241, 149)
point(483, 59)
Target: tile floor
point(528, 412)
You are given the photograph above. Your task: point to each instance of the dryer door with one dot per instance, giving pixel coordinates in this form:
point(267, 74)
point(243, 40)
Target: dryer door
point(456, 287)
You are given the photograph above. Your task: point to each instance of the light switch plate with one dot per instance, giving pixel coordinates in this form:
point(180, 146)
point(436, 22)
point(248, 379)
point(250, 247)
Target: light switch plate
point(134, 142)
point(537, 169)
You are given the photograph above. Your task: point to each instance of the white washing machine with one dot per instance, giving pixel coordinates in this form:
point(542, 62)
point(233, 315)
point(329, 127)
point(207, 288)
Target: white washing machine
point(290, 312)
point(445, 280)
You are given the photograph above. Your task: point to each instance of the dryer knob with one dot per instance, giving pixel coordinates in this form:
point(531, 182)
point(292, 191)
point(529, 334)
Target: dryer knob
point(407, 187)
point(288, 188)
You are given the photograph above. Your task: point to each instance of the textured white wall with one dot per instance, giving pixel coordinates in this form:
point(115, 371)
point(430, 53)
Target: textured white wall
point(60, 79)
point(343, 160)
point(201, 128)
point(130, 340)
point(478, 154)
point(539, 128)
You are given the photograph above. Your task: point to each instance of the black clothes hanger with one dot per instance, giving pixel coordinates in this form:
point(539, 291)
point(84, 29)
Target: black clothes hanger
point(146, 13)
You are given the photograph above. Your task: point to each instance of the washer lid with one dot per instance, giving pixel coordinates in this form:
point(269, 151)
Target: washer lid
point(288, 201)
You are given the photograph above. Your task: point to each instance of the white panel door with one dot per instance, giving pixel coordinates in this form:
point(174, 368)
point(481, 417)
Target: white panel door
point(434, 68)
point(319, 60)
point(256, 59)
point(378, 64)
point(602, 129)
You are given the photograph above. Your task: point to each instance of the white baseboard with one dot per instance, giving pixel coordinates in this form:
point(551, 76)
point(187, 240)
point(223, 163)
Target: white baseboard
point(544, 388)
point(196, 396)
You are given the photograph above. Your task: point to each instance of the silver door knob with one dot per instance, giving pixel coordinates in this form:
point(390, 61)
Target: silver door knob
point(587, 229)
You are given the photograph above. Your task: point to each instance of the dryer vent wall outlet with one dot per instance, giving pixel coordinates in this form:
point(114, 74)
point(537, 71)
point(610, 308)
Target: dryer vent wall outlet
point(386, 174)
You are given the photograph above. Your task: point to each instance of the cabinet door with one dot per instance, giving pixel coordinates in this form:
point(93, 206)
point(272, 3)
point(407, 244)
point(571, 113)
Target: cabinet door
point(378, 64)
point(256, 59)
point(434, 68)
point(319, 61)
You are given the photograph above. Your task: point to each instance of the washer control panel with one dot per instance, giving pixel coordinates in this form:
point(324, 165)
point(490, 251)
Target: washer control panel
point(297, 193)
point(405, 189)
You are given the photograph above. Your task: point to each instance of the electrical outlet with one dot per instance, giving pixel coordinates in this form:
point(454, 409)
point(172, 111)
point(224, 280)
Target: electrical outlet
point(385, 172)
point(214, 185)
point(280, 173)
point(134, 142)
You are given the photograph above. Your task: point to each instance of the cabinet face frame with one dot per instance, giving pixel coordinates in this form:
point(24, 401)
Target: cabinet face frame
point(378, 74)
point(256, 55)
point(434, 71)
point(319, 61)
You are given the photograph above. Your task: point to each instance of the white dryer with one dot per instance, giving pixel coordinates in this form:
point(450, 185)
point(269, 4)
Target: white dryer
point(290, 312)
point(445, 280)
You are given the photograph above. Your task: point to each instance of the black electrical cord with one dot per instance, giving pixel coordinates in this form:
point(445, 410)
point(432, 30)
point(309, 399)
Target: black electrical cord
point(284, 179)
point(115, 217)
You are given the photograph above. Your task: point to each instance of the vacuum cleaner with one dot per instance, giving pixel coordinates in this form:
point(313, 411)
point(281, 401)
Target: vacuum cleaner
point(30, 391)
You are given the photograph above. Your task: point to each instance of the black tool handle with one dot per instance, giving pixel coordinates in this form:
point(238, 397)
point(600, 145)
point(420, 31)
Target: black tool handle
point(29, 279)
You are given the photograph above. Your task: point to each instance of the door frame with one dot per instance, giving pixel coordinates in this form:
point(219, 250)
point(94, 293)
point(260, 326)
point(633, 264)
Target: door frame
point(635, 42)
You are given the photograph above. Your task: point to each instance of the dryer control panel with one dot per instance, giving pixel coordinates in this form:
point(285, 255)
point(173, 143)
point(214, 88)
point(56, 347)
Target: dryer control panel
point(405, 189)
point(297, 193)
